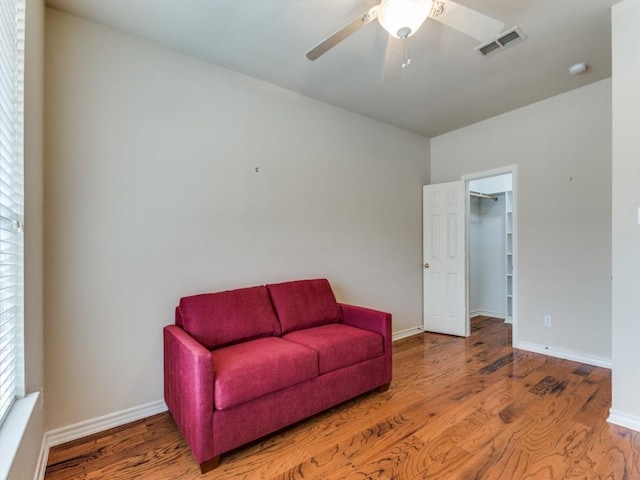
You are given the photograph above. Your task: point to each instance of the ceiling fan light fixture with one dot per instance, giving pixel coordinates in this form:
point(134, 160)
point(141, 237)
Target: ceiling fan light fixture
point(403, 18)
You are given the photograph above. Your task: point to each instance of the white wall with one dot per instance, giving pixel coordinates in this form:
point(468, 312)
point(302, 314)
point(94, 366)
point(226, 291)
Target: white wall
point(495, 184)
point(25, 462)
point(625, 408)
point(562, 147)
point(152, 193)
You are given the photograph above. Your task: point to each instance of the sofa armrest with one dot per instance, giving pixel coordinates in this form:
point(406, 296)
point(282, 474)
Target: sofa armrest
point(375, 321)
point(188, 389)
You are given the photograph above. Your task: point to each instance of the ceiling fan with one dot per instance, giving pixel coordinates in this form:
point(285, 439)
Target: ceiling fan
point(402, 18)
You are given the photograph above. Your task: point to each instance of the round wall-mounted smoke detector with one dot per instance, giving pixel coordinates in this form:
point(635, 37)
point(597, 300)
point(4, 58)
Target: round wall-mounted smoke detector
point(578, 68)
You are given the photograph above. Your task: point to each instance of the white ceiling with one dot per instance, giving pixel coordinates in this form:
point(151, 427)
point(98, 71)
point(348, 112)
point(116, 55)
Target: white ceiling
point(448, 85)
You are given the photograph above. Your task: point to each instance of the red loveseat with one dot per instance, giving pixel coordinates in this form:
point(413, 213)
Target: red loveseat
point(244, 363)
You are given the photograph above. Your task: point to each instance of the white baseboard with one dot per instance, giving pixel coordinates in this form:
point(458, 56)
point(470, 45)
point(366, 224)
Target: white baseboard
point(409, 332)
point(624, 420)
point(100, 424)
point(486, 313)
point(575, 357)
point(41, 466)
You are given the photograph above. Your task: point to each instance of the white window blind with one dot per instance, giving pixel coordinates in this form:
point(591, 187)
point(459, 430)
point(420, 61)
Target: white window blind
point(11, 203)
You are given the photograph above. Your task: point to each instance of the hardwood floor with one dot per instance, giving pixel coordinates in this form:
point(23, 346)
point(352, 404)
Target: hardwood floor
point(458, 408)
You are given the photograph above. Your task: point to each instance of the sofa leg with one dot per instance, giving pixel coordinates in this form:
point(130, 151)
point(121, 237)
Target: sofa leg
point(383, 388)
point(209, 464)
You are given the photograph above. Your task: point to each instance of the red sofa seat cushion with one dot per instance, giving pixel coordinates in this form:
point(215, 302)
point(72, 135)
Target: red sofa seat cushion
point(304, 304)
point(252, 369)
point(224, 318)
point(339, 345)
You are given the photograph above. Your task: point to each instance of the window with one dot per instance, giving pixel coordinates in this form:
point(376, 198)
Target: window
point(11, 203)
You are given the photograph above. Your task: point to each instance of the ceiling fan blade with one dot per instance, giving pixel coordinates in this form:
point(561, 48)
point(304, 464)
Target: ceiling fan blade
point(393, 59)
point(470, 22)
point(343, 33)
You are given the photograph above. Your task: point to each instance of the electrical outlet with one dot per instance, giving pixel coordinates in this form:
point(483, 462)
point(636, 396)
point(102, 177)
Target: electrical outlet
point(547, 320)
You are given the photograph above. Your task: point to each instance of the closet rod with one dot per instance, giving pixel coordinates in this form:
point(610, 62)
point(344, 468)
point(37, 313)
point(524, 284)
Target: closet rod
point(482, 195)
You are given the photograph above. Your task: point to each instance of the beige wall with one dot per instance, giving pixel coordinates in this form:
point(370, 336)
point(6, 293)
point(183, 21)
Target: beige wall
point(27, 456)
point(625, 408)
point(152, 193)
point(562, 147)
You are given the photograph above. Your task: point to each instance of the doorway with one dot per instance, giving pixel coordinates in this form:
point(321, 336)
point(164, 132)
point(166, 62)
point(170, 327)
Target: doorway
point(447, 213)
point(490, 253)
point(503, 182)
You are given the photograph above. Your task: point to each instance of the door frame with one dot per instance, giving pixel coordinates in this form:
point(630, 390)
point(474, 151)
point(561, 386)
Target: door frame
point(513, 170)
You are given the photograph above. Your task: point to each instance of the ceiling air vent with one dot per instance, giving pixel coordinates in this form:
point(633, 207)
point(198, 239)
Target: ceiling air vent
point(487, 48)
point(504, 40)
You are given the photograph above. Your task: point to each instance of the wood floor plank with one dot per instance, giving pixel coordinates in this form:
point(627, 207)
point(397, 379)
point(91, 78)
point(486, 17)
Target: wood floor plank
point(458, 408)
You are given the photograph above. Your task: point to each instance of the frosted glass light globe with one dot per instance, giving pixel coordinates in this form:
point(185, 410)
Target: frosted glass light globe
point(402, 18)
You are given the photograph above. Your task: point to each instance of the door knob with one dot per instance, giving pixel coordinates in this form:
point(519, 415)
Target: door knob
point(426, 265)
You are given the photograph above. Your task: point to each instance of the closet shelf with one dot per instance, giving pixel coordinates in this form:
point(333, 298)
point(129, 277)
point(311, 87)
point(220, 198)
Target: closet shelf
point(509, 250)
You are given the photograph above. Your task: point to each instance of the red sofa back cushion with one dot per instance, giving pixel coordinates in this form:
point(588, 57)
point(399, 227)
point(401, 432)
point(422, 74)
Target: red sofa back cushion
point(225, 318)
point(304, 304)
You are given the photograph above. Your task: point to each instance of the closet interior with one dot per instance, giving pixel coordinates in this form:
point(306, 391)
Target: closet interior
point(491, 247)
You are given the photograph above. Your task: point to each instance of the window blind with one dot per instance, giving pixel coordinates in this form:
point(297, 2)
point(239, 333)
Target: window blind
point(11, 203)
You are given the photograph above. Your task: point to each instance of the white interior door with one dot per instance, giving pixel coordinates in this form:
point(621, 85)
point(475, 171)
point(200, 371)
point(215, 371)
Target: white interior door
point(444, 257)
